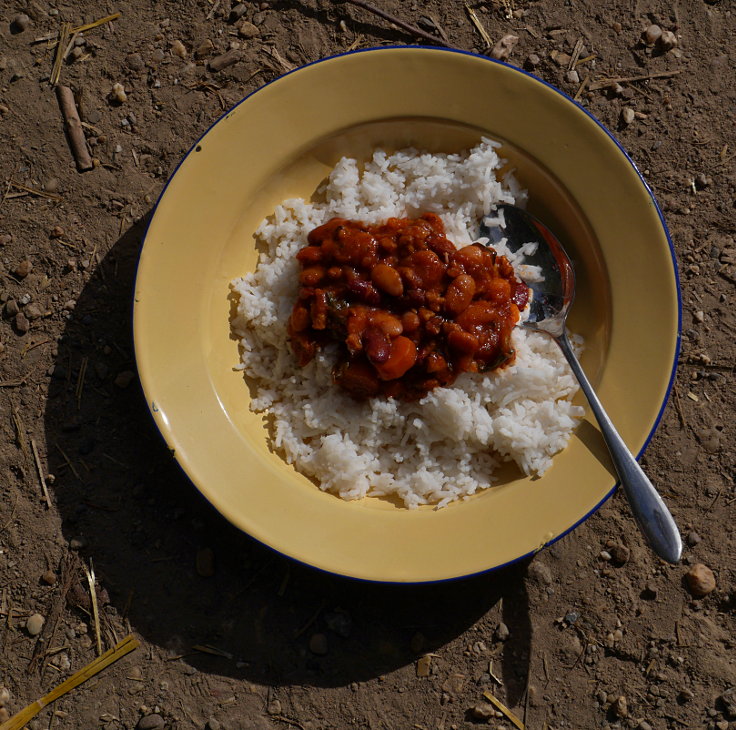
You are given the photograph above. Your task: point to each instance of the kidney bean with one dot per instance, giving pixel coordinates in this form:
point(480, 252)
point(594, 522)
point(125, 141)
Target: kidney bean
point(376, 344)
point(459, 294)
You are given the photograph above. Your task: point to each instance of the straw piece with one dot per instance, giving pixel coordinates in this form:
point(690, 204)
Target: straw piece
point(64, 33)
point(95, 23)
point(479, 26)
point(498, 704)
point(40, 474)
point(22, 718)
point(95, 609)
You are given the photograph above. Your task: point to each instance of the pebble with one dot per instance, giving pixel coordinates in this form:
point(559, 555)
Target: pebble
point(117, 94)
point(150, 722)
point(4, 696)
point(627, 115)
point(702, 181)
point(204, 49)
point(226, 59)
point(20, 23)
point(616, 27)
point(502, 632)
point(124, 378)
point(572, 616)
point(700, 580)
point(237, 12)
point(643, 725)
point(51, 184)
point(532, 60)
point(34, 624)
point(49, 577)
point(179, 49)
point(604, 555)
point(540, 572)
point(620, 554)
point(23, 269)
point(339, 622)
point(572, 77)
point(699, 315)
point(668, 40)
point(318, 644)
point(652, 34)
point(33, 311)
point(685, 695)
point(5, 239)
point(135, 62)
point(205, 562)
point(247, 30)
point(11, 308)
point(728, 702)
point(423, 666)
point(502, 50)
point(22, 325)
point(24, 299)
point(274, 707)
point(213, 724)
point(620, 707)
point(483, 711)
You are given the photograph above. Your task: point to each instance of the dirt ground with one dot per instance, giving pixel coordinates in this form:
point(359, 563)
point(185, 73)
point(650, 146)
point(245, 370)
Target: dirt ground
point(593, 632)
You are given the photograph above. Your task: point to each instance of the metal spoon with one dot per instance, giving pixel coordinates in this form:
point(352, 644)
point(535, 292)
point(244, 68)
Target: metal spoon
point(550, 305)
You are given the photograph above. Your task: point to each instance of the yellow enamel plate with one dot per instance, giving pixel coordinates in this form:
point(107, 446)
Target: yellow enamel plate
point(280, 142)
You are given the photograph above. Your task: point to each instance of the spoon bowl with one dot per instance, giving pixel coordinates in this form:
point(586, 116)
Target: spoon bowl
point(552, 299)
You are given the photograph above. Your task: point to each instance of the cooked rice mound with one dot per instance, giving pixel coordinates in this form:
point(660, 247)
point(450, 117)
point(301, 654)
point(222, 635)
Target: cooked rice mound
point(447, 445)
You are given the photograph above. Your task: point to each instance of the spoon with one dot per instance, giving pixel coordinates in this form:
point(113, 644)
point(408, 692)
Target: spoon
point(549, 307)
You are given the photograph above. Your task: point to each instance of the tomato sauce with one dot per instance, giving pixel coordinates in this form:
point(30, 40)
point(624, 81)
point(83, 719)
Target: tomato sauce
point(409, 310)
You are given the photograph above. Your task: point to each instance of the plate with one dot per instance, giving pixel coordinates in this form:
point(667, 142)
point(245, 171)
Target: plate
point(280, 142)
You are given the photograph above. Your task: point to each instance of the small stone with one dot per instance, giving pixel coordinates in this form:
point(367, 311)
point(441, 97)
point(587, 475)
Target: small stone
point(77, 543)
point(572, 77)
point(33, 311)
point(702, 181)
point(643, 725)
point(339, 622)
point(205, 562)
point(117, 94)
point(20, 23)
point(685, 695)
point(423, 666)
point(604, 555)
point(722, 725)
point(699, 315)
point(225, 60)
point(135, 62)
point(213, 724)
point(616, 27)
point(620, 707)
point(151, 722)
point(24, 299)
point(49, 577)
point(204, 49)
point(274, 707)
point(727, 701)
point(247, 30)
point(21, 323)
point(318, 644)
point(502, 50)
point(179, 49)
point(532, 60)
point(124, 378)
point(5, 239)
point(70, 304)
point(700, 580)
point(502, 632)
point(540, 572)
point(11, 308)
point(237, 12)
point(23, 269)
point(34, 624)
point(627, 115)
point(572, 616)
point(652, 34)
point(51, 185)
point(560, 58)
point(668, 40)
point(483, 711)
point(620, 554)
point(4, 696)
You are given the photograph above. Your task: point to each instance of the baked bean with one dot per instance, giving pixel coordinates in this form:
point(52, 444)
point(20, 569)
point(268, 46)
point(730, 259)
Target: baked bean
point(459, 294)
point(463, 342)
point(312, 275)
point(387, 279)
point(387, 323)
point(410, 321)
point(300, 319)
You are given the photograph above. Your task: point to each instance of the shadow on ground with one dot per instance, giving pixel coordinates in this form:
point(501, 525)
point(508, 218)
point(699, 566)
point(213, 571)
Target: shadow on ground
point(143, 524)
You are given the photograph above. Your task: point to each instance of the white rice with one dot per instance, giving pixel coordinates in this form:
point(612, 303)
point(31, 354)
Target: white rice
point(447, 445)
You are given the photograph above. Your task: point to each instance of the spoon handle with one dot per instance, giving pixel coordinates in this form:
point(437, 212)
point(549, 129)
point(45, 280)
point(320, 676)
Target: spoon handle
point(651, 513)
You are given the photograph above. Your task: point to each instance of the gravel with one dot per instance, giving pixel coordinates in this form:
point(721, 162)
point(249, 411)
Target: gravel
point(700, 580)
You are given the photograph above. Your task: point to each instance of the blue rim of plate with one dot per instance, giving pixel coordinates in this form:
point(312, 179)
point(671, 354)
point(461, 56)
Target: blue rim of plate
point(673, 256)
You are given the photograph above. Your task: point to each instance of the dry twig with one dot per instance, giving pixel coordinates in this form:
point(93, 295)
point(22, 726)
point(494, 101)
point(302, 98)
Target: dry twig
point(479, 26)
point(90, 572)
point(34, 191)
point(73, 128)
point(603, 83)
point(41, 477)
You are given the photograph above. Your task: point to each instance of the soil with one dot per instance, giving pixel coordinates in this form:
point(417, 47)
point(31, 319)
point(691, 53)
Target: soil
point(594, 632)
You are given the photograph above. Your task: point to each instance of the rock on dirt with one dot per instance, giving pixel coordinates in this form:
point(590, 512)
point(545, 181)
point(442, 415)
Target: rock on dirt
point(34, 624)
point(727, 701)
point(700, 580)
point(502, 50)
point(151, 722)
